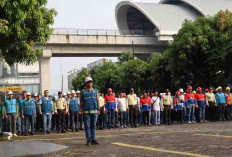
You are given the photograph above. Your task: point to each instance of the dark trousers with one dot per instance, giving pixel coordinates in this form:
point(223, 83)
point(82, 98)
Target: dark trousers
point(23, 124)
point(81, 119)
point(54, 122)
point(116, 118)
point(39, 123)
point(221, 112)
point(111, 116)
point(29, 121)
point(212, 111)
point(133, 111)
point(5, 125)
point(228, 112)
point(167, 114)
point(123, 115)
point(74, 116)
point(146, 117)
point(61, 119)
point(67, 122)
point(179, 116)
point(12, 117)
point(1, 120)
point(102, 119)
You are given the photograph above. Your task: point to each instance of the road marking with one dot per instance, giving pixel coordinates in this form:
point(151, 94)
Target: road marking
point(160, 150)
point(211, 135)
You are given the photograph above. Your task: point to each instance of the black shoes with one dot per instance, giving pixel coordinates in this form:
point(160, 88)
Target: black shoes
point(95, 142)
point(88, 143)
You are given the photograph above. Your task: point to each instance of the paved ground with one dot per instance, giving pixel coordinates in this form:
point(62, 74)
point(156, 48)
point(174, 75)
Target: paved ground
point(208, 139)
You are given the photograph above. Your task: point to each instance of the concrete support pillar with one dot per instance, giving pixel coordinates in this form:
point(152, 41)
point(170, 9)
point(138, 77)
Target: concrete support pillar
point(44, 68)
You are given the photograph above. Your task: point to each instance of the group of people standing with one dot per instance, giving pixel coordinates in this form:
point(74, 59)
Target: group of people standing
point(39, 113)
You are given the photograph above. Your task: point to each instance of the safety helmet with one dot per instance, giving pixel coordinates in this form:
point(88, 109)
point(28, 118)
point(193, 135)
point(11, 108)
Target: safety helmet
point(109, 90)
point(199, 89)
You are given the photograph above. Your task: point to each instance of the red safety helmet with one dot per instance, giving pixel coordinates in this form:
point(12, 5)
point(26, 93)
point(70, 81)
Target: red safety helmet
point(177, 93)
point(199, 89)
point(109, 90)
point(207, 90)
point(190, 87)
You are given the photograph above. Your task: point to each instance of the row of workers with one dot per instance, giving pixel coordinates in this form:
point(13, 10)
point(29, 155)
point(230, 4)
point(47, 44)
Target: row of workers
point(89, 103)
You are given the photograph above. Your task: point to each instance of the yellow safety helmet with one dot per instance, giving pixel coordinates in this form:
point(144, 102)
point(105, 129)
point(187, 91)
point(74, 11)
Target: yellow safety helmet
point(227, 88)
point(194, 92)
point(216, 90)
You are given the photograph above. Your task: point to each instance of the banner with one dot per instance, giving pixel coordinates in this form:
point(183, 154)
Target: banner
point(13, 89)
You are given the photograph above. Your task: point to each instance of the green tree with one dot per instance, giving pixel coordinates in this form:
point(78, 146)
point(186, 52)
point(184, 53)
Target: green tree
point(134, 75)
point(105, 76)
point(160, 74)
point(201, 52)
point(78, 82)
point(22, 24)
point(125, 57)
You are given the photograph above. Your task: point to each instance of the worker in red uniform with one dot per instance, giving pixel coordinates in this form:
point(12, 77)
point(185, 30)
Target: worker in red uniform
point(145, 104)
point(178, 105)
point(200, 98)
point(110, 106)
point(190, 102)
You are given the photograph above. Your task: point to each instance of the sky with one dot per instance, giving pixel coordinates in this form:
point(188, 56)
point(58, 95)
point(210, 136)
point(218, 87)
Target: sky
point(80, 14)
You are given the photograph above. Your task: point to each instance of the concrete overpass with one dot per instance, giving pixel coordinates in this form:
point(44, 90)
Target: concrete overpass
point(94, 43)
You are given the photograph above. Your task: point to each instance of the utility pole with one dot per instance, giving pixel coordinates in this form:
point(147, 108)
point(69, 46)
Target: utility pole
point(133, 50)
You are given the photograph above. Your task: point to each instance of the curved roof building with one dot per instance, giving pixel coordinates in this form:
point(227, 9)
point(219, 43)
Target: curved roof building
point(164, 19)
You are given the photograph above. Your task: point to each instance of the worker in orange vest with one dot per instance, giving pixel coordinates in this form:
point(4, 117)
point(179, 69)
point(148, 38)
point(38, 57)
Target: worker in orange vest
point(228, 103)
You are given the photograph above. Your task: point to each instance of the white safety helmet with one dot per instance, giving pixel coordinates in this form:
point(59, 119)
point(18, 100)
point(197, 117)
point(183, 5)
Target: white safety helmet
point(28, 94)
point(78, 92)
point(10, 93)
point(69, 92)
point(36, 94)
point(181, 90)
point(87, 79)
point(73, 92)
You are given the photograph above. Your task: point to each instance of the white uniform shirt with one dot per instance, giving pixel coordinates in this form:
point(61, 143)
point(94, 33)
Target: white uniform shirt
point(122, 104)
point(155, 102)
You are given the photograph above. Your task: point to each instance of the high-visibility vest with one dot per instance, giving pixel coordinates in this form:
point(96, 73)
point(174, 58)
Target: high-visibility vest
point(228, 98)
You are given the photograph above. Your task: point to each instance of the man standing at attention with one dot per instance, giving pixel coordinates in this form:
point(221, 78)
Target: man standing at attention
point(133, 109)
point(190, 102)
point(61, 110)
point(46, 109)
point(221, 101)
point(11, 112)
point(167, 103)
point(228, 103)
point(29, 114)
point(89, 105)
point(74, 108)
point(110, 102)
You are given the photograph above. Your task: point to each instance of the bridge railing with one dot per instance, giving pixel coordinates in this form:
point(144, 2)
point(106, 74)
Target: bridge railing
point(107, 32)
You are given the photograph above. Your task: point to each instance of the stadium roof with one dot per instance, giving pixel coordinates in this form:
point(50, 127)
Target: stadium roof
point(166, 18)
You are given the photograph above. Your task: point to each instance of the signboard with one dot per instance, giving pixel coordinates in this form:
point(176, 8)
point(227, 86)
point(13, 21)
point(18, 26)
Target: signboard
point(14, 89)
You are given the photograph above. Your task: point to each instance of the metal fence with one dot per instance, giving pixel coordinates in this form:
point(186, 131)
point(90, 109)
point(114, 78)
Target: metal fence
point(107, 32)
